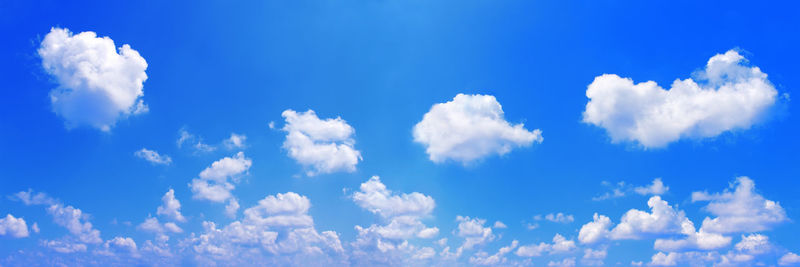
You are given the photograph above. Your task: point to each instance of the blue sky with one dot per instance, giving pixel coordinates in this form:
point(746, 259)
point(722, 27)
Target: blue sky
point(469, 112)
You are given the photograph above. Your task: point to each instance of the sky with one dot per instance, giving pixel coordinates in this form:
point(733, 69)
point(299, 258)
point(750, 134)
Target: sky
point(409, 133)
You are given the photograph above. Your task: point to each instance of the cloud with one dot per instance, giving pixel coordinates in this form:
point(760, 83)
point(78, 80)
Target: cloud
point(151, 224)
point(622, 189)
point(789, 259)
point(663, 219)
point(473, 232)
point(153, 156)
point(63, 246)
point(495, 259)
point(594, 257)
point(740, 210)
point(727, 95)
point(568, 262)
point(468, 128)
point(321, 146)
point(595, 230)
point(556, 217)
point(236, 141)
point(499, 225)
point(402, 215)
point(13, 227)
point(97, 84)
point(279, 226)
point(73, 219)
point(215, 182)
point(196, 142)
point(170, 207)
point(560, 245)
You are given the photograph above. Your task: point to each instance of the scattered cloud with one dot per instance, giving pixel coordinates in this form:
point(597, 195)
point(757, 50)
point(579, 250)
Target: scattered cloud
point(73, 219)
point(789, 259)
point(98, 84)
point(236, 141)
point(556, 217)
point(153, 157)
point(215, 182)
point(468, 128)
point(740, 209)
point(560, 245)
point(727, 95)
point(170, 207)
point(320, 146)
point(499, 225)
point(622, 189)
point(13, 227)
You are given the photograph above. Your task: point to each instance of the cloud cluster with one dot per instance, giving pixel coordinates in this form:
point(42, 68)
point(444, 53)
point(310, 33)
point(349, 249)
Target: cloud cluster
point(13, 227)
point(153, 156)
point(725, 96)
point(468, 128)
point(97, 84)
point(321, 146)
point(216, 182)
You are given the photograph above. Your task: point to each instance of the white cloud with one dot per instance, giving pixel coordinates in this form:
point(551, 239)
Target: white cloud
point(216, 181)
point(63, 246)
point(499, 225)
point(153, 156)
point(97, 84)
point(663, 219)
point(151, 224)
point(170, 207)
point(594, 257)
point(374, 197)
point(74, 220)
point(655, 188)
point(321, 146)
point(498, 258)
point(13, 227)
point(556, 217)
point(568, 262)
point(473, 232)
point(789, 259)
point(236, 141)
point(693, 240)
point(193, 140)
point(560, 245)
point(468, 128)
point(279, 225)
point(120, 245)
point(622, 189)
point(740, 210)
point(596, 230)
point(754, 244)
point(727, 95)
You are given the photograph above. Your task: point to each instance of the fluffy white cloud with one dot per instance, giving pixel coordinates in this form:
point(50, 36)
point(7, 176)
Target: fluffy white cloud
point(74, 220)
point(120, 245)
point(13, 227)
point(321, 146)
point(153, 156)
point(236, 141)
point(279, 225)
point(170, 207)
point(63, 246)
point(594, 257)
point(560, 245)
point(740, 210)
point(468, 128)
point(655, 188)
point(663, 219)
point(754, 244)
point(693, 240)
point(473, 232)
point(402, 214)
point(483, 258)
point(196, 142)
point(215, 182)
point(789, 259)
point(152, 225)
point(596, 230)
point(727, 95)
point(568, 262)
point(97, 84)
point(499, 225)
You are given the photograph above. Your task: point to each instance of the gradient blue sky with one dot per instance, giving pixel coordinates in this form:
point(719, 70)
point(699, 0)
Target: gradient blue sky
point(218, 68)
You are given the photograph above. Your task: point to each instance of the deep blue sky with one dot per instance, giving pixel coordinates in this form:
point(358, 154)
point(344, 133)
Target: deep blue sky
point(215, 68)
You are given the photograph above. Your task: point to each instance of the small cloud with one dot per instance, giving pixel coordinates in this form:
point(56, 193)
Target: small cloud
point(153, 157)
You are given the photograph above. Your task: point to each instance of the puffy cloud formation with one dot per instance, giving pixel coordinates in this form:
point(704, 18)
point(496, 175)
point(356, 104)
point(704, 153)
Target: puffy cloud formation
point(97, 84)
point(593, 257)
point(402, 214)
point(215, 182)
point(655, 188)
point(63, 247)
point(13, 227)
point(789, 259)
point(74, 220)
point(170, 207)
point(568, 262)
point(727, 95)
point(498, 258)
point(596, 230)
point(473, 232)
point(279, 226)
point(740, 210)
point(236, 141)
point(153, 156)
point(663, 219)
point(560, 245)
point(321, 146)
point(556, 217)
point(468, 128)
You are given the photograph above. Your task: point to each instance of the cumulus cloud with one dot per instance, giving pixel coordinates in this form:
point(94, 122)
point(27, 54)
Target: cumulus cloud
point(473, 232)
point(236, 141)
point(73, 219)
point(740, 209)
point(468, 128)
point(499, 225)
point(63, 246)
point(789, 259)
point(568, 262)
point(216, 182)
point(593, 257)
point(663, 219)
point(13, 227)
point(153, 156)
point(621, 189)
point(483, 258)
point(279, 225)
point(195, 142)
point(321, 146)
point(402, 214)
point(98, 83)
point(556, 217)
point(655, 188)
point(596, 230)
point(170, 207)
point(560, 245)
point(727, 95)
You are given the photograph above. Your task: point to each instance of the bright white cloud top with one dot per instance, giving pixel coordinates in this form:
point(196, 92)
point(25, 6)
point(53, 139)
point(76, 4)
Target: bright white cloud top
point(727, 95)
point(216, 182)
point(321, 146)
point(97, 84)
point(13, 227)
point(153, 156)
point(468, 128)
